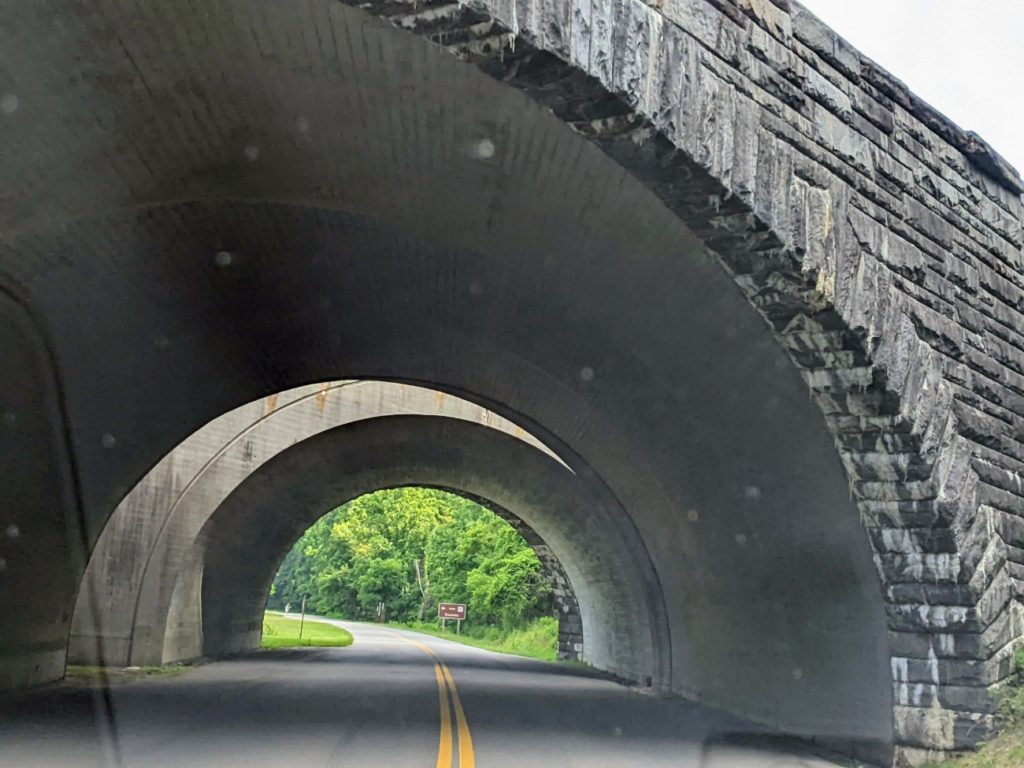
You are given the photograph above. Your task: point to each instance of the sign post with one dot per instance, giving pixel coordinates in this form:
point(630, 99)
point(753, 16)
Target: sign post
point(455, 611)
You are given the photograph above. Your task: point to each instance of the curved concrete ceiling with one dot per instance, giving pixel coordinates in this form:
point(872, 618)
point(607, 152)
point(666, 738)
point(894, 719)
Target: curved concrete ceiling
point(246, 206)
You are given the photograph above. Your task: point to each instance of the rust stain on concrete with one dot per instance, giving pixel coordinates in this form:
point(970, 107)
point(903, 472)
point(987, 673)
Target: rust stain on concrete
point(321, 397)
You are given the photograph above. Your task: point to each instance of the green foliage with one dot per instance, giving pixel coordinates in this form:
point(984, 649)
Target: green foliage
point(1011, 698)
point(1017, 669)
point(1007, 749)
point(410, 548)
point(283, 632)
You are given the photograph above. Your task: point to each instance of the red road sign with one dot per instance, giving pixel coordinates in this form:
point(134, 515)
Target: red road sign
point(451, 611)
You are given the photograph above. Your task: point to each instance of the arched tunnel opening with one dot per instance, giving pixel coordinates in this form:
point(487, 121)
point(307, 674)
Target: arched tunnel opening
point(238, 569)
point(395, 555)
point(183, 568)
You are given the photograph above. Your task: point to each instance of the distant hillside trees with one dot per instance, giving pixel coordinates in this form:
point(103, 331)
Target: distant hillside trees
point(410, 548)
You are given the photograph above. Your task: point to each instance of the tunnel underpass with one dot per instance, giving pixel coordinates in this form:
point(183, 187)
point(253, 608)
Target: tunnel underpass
point(245, 540)
point(697, 376)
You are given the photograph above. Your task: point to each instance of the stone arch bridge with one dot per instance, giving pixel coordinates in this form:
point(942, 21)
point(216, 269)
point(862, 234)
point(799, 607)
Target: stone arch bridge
point(761, 301)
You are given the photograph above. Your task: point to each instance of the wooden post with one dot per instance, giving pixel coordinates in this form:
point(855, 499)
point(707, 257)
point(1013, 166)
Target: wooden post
point(302, 620)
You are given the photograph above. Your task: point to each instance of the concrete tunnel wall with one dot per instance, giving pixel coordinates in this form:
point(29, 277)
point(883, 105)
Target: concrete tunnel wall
point(132, 607)
point(242, 544)
point(382, 211)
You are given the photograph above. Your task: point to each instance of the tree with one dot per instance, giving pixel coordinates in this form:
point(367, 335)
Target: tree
point(409, 548)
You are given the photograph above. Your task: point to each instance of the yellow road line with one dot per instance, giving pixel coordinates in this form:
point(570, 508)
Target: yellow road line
point(444, 747)
point(466, 759)
point(418, 644)
point(446, 686)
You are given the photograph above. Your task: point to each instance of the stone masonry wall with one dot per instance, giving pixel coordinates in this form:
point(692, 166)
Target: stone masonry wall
point(881, 243)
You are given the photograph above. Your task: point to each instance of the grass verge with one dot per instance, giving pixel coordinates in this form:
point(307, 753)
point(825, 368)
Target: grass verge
point(536, 640)
point(282, 631)
point(1007, 749)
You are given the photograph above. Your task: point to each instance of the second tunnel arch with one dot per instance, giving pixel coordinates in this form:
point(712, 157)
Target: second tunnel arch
point(139, 600)
point(241, 545)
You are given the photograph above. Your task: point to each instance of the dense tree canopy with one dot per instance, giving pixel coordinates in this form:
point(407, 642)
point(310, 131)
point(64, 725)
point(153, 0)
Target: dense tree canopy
point(410, 548)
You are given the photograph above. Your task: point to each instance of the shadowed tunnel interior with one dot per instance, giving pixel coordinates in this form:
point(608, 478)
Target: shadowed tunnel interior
point(378, 210)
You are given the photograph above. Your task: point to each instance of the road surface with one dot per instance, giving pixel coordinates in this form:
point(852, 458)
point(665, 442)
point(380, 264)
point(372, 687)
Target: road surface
point(394, 698)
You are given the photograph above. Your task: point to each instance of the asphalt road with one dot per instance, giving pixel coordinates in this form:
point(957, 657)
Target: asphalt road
point(393, 699)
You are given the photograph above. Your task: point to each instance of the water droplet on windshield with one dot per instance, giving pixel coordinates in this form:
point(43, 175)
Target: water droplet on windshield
point(482, 149)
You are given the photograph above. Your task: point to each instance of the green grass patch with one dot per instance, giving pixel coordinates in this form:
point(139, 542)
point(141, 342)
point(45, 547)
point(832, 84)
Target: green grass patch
point(1007, 749)
point(536, 640)
point(1004, 751)
point(282, 631)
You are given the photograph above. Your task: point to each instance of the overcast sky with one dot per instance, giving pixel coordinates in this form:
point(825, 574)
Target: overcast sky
point(964, 57)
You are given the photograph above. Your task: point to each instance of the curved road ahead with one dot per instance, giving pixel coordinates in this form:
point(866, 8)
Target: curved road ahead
point(393, 698)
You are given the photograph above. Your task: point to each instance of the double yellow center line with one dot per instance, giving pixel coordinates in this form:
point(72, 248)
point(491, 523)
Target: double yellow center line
point(446, 691)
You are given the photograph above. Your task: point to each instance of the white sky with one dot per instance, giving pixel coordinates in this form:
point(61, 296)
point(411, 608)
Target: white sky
point(964, 57)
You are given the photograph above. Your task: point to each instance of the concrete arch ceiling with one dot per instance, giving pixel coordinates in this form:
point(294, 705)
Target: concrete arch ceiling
point(277, 194)
point(249, 534)
point(130, 610)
